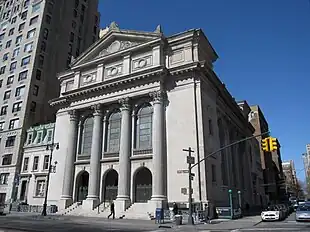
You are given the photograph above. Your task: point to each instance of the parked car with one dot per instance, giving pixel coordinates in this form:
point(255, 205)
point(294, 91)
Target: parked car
point(272, 213)
point(303, 212)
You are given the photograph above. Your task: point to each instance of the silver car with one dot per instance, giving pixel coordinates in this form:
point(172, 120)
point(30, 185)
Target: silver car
point(303, 213)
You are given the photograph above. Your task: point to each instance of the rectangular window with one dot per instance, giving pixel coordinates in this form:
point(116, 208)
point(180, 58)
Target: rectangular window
point(20, 91)
point(10, 80)
point(11, 32)
point(13, 66)
point(34, 20)
point(31, 33)
point(49, 135)
point(10, 141)
point(210, 127)
point(24, 15)
point(33, 106)
point(1, 126)
point(2, 197)
point(46, 162)
point(35, 90)
point(43, 46)
point(17, 107)
point(5, 56)
point(40, 188)
point(8, 44)
point(41, 61)
point(7, 159)
point(25, 61)
point(71, 37)
point(38, 74)
point(18, 39)
point(48, 19)
point(21, 26)
point(35, 8)
point(7, 95)
point(4, 110)
point(29, 140)
point(2, 70)
point(16, 52)
point(4, 177)
point(14, 123)
point(26, 162)
point(39, 140)
point(35, 163)
point(28, 47)
point(213, 170)
point(22, 75)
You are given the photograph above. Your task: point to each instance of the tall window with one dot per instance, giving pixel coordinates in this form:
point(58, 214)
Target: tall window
point(114, 132)
point(87, 136)
point(144, 128)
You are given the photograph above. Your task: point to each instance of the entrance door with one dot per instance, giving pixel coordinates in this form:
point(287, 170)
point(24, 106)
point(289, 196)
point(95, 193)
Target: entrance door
point(110, 185)
point(143, 185)
point(23, 191)
point(82, 186)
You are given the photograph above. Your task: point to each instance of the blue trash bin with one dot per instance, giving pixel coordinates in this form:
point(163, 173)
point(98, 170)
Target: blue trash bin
point(159, 215)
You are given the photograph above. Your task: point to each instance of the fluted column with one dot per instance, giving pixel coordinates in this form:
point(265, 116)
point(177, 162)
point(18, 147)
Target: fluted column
point(96, 151)
point(159, 176)
point(67, 188)
point(125, 151)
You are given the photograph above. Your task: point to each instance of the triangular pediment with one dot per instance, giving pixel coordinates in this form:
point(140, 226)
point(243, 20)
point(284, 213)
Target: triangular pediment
point(114, 41)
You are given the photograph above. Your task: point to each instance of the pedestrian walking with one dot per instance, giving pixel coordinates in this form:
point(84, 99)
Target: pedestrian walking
point(112, 210)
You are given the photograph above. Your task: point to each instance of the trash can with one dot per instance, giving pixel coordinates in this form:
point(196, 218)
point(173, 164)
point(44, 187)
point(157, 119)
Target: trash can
point(159, 215)
point(178, 219)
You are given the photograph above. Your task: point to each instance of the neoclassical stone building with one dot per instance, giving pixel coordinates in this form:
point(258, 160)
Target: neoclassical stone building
point(128, 107)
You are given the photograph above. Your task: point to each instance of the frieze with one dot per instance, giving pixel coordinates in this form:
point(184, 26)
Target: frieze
point(117, 46)
point(88, 78)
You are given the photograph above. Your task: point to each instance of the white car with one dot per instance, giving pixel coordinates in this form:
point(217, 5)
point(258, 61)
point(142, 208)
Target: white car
point(272, 213)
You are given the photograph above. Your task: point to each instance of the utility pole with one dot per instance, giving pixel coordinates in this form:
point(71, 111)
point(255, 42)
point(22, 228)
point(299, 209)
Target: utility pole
point(192, 164)
point(190, 161)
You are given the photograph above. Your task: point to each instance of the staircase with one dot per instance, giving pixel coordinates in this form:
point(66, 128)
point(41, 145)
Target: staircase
point(70, 210)
point(138, 211)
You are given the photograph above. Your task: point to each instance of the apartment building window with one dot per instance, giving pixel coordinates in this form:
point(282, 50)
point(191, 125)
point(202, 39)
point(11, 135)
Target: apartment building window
point(10, 80)
point(33, 106)
point(16, 52)
point(15, 18)
point(11, 31)
point(210, 127)
point(49, 135)
point(30, 34)
point(8, 44)
point(72, 37)
point(10, 141)
point(14, 123)
point(50, 7)
point(35, 163)
point(4, 177)
point(35, 8)
point(46, 162)
point(48, 19)
point(40, 188)
point(73, 24)
point(2, 125)
point(34, 20)
point(25, 61)
point(24, 15)
point(21, 26)
point(1, 81)
point(213, 171)
point(4, 110)
point(39, 140)
point(38, 74)
point(2, 36)
point(26, 163)
point(20, 91)
point(18, 39)
point(45, 33)
point(41, 61)
point(43, 46)
point(22, 75)
point(26, 3)
point(35, 90)
point(29, 140)
point(77, 2)
point(28, 47)
point(17, 107)
point(5, 56)
point(7, 95)
point(13, 66)
point(75, 13)
point(2, 70)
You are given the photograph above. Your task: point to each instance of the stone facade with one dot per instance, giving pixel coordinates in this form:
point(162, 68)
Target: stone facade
point(128, 107)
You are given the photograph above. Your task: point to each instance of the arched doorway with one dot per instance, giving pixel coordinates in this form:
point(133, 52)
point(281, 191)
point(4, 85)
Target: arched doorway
point(143, 185)
point(110, 185)
point(82, 186)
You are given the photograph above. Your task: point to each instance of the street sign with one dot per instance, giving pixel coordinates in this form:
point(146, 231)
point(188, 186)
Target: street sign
point(182, 171)
point(190, 160)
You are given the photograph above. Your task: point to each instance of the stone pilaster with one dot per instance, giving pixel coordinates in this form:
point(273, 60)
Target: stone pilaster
point(96, 151)
point(67, 189)
point(159, 156)
point(123, 196)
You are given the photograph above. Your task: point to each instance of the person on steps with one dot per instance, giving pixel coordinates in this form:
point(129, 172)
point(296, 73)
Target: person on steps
point(112, 209)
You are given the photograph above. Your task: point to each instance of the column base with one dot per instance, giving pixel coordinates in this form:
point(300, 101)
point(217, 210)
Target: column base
point(90, 203)
point(122, 203)
point(64, 203)
point(158, 201)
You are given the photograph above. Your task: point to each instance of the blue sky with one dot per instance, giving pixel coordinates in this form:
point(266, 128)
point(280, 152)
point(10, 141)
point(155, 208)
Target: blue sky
point(263, 48)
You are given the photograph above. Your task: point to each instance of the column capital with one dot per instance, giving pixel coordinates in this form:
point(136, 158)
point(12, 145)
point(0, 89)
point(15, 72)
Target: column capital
point(157, 96)
point(73, 115)
point(97, 109)
point(125, 103)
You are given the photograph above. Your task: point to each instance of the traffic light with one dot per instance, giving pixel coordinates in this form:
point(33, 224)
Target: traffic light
point(273, 144)
point(265, 144)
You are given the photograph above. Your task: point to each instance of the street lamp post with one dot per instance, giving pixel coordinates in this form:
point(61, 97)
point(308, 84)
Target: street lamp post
point(51, 168)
